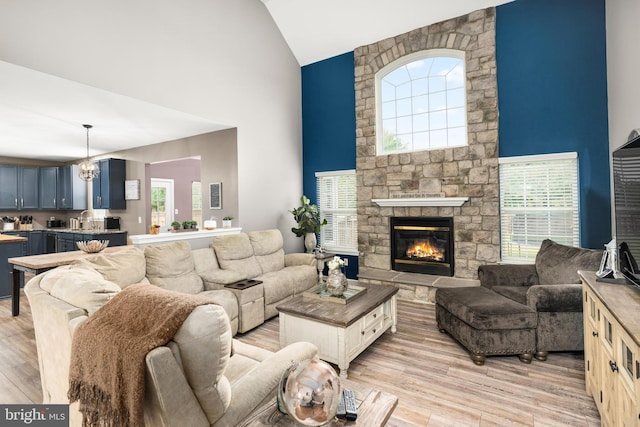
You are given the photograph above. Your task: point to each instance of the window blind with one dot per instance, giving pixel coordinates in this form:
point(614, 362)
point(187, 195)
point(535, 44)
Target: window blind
point(538, 200)
point(337, 201)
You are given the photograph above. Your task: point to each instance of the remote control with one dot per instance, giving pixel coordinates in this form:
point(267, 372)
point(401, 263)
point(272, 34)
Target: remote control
point(342, 413)
point(350, 405)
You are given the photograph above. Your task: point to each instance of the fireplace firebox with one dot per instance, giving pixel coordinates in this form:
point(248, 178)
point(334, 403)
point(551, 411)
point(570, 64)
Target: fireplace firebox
point(422, 245)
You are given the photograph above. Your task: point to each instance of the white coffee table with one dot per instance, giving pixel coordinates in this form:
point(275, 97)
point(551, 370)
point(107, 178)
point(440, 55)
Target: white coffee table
point(340, 331)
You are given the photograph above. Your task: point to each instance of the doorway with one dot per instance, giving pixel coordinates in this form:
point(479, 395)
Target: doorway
point(162, 202)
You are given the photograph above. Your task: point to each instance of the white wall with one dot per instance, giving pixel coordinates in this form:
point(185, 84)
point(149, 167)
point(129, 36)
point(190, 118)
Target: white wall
point(222, 60)
point(623, 63)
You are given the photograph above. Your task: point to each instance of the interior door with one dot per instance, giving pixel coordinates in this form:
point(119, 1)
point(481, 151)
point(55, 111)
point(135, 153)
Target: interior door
point(162, 202)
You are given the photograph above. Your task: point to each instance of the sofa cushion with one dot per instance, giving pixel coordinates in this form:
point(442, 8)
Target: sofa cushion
point(482, 308)
point(204, 341)
point(235, 252)
point(268, 249)
point(124, 267)
point(559, 264)
point(516, 293)
point(171, 267)
point(79, 286)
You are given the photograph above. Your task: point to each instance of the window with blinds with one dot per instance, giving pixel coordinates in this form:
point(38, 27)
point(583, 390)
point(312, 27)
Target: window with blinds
point(538, 200)
point(338, 205)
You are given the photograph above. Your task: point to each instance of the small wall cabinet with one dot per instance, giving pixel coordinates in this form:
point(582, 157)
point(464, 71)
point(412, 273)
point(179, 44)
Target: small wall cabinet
point(19, 187)
point(108, 188)
point(611, 349)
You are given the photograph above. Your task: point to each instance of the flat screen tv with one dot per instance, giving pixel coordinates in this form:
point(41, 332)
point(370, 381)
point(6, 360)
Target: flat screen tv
point(626, 192)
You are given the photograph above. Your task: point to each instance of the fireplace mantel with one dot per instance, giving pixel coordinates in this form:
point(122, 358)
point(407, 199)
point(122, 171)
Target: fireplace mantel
point(421, 201)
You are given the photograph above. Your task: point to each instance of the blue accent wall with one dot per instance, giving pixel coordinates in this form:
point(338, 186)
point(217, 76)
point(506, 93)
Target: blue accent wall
point(552, 94)
point(328, 124)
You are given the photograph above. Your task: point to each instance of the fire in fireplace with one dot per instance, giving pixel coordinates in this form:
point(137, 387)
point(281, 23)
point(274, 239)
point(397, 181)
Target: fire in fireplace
point(422, 245)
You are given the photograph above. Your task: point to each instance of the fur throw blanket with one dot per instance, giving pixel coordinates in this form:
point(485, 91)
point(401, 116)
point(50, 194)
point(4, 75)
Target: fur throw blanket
point(107, 372)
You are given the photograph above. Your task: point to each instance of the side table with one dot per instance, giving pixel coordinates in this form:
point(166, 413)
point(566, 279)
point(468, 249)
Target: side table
point(250, 296)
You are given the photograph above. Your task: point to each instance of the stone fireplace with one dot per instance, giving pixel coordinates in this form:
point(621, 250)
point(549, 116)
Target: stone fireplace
point(460, 183)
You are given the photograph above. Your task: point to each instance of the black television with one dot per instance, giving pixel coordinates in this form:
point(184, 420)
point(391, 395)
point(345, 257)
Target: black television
point(626, 195)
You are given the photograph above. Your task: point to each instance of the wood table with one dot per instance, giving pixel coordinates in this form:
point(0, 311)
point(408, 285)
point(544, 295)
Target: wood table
point(36, 264)
point(374, 409)
point(340, 331)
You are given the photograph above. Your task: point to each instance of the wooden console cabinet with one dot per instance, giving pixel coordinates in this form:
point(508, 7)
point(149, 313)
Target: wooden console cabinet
point(612, 349)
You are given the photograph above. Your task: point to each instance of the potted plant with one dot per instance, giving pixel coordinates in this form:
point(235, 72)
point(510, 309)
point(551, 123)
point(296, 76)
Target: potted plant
point(308, 218)
point(193, 225)
point(226, 221)
point(186, 224)
point(175, 226)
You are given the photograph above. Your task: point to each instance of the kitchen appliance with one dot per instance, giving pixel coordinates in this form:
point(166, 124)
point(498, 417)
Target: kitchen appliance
point(112, 223)
point(55, 223)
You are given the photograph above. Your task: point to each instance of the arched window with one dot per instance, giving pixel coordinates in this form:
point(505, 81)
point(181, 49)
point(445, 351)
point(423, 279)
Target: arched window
point(421, 102)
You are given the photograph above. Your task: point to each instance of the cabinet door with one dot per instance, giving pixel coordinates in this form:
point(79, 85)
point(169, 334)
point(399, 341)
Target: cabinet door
point(627, 386)
point(28, 185)
point(115, 239)
point(609, 368)
point(9, 187)
point(36, 242)
point(49, 188)
point(108, 189)
point(592, 359)
point(72, 191)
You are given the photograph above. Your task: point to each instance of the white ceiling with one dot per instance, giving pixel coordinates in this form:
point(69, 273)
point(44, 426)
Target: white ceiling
point(41, 115)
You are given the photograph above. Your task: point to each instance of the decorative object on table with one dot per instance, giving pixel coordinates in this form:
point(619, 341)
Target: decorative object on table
point(154, 229)
point(348, 296)
point(612, 258)
point(8, 224)
point(92, 246)
point(210, 224)
point(88, 170)
point(336, 280)
point(226, 221)
point(308, 218)
point(310, 392)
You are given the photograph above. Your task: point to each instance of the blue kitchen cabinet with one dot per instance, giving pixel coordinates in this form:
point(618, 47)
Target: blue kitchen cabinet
point(72, 191)
point(108, 188)
point(49, 188)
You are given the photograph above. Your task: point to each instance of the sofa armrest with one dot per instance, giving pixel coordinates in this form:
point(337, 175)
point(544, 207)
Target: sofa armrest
point(555, 298)
point(299, 259)
point(251, 389)
point(215, 278)
point(507, 275)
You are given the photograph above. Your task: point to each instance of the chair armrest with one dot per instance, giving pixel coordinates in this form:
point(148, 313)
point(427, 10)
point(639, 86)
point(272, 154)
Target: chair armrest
point(251, 389)
point(555, 298)
point(299, 259)
point(215, 278)
point(507, 275)
point(169, 400)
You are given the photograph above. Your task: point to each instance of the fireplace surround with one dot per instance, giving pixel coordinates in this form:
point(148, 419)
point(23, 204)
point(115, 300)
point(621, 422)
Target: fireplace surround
point(422, 245)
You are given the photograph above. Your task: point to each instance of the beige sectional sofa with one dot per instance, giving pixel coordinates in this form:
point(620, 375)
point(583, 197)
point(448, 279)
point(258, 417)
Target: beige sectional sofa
point(182, 387)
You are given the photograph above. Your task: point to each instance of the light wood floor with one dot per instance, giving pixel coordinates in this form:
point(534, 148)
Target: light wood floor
point(436, 382)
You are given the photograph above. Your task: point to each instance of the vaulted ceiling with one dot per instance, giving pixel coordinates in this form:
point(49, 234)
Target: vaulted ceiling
point(36, 108)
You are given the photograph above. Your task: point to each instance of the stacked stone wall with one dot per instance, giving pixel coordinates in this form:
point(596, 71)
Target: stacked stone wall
point(470, 171)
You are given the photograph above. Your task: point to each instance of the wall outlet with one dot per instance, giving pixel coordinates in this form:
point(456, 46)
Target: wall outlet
point(346, 262)
point(139, 220)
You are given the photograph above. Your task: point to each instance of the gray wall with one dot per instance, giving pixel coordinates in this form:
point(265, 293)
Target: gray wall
point(218, 163)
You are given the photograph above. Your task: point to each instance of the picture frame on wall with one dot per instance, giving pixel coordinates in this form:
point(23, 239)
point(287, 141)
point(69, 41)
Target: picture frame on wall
point(215, 195)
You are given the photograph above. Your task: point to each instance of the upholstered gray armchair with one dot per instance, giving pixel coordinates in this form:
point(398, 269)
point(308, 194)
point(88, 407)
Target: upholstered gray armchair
point(552, 287)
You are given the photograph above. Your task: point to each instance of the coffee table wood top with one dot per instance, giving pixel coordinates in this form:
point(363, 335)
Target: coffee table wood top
point(374, 410)
point(338, 314)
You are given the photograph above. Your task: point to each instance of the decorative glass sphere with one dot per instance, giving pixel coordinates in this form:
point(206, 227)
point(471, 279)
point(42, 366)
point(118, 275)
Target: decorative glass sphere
point(310, 392)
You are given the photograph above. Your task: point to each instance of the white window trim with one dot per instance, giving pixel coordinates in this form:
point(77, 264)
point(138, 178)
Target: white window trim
point(338, 249)
point(407, 59)
point(539, 158)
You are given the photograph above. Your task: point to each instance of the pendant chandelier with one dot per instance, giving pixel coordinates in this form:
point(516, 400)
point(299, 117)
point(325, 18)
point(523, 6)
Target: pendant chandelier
point(87, 170)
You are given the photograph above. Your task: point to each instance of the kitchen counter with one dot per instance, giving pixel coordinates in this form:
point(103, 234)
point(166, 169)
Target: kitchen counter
point(5, 238)
point(197, 239)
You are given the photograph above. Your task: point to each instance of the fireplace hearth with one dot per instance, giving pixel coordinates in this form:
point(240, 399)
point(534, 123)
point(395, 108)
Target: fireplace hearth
point(422, 245)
